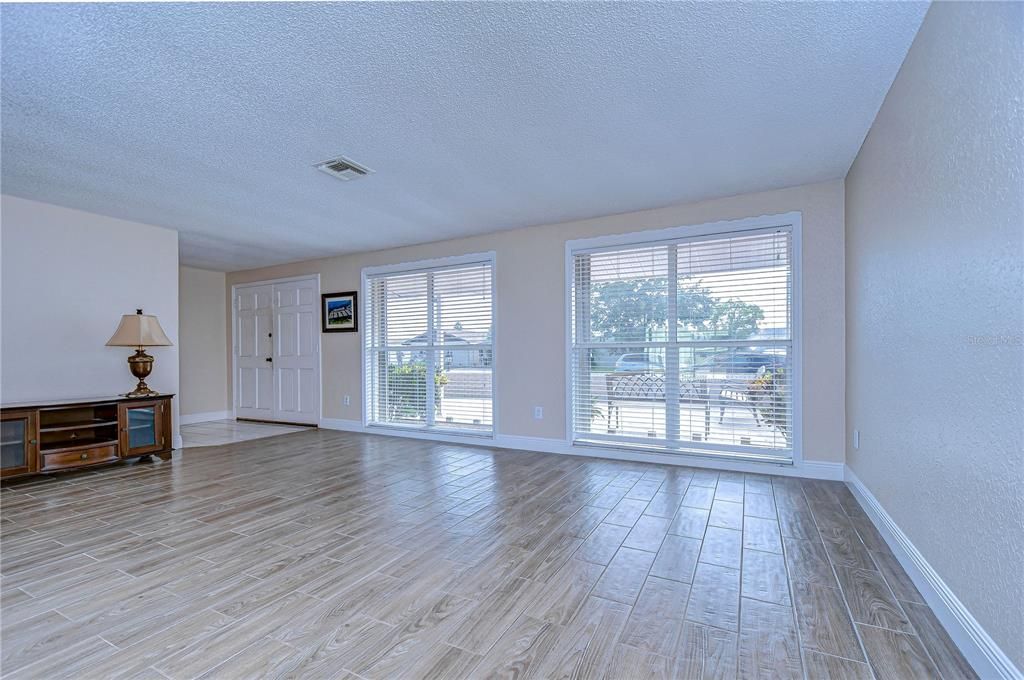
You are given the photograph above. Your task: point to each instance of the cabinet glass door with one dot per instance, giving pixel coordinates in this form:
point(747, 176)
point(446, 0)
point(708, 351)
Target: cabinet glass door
point(18, 446)
point(142, 427)
point(13, 443)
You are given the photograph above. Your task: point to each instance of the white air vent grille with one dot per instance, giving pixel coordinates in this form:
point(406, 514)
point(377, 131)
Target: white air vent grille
point(343, 169)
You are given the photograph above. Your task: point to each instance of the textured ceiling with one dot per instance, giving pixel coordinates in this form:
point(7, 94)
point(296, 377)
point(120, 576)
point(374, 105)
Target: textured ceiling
point(476, 117)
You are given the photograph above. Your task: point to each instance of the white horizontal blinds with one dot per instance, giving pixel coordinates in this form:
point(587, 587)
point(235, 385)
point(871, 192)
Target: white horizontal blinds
point(464, 323)
point(463, 304)
point(628, 290)
point(395, 372)
point(430, 353)
point(734, 288)
point(625, 294)
point(686, 344)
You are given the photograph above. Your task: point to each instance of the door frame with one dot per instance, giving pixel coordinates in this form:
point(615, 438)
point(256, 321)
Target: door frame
point(234, 344)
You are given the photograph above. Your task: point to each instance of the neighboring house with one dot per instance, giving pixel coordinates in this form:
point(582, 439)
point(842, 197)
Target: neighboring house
point(454, 358)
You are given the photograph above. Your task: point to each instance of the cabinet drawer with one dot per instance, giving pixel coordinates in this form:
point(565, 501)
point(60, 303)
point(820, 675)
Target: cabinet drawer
point(68, 459)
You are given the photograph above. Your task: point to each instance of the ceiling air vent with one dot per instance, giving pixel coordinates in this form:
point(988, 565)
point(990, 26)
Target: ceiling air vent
point(343, 169)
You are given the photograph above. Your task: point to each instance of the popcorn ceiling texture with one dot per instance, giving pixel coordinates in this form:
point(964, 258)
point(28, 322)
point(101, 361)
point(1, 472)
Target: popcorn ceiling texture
point(477, 117)
point(935, 307)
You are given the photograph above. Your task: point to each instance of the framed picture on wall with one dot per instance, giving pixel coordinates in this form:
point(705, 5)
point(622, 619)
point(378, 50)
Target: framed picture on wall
point(339, 312)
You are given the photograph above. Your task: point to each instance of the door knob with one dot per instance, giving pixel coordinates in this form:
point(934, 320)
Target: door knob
point(270, 358)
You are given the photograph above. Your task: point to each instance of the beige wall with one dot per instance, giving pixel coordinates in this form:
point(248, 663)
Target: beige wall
point(935, 292)
point(530, 304)
point(202, 327)
point(67, 277)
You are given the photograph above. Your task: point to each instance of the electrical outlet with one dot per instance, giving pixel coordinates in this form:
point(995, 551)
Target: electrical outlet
point(538, 413)
point(856, 439)
point(348, 400)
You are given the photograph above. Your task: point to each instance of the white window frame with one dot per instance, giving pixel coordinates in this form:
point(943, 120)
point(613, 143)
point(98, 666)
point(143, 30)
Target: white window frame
point(791, 221)
point(434, 264)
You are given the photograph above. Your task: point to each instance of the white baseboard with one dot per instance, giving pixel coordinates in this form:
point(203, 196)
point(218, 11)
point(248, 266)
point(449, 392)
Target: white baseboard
point(810, 469)
point(176, 442)
point(977, 646)
point(205, 417)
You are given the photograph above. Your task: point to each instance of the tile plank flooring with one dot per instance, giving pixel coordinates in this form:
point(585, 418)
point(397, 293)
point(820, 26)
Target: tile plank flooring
point(323, 554)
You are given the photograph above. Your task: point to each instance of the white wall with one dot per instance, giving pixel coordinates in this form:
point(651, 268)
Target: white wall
point(202, 327)
point(935, 307)
point(530, 307)
point(66, 277)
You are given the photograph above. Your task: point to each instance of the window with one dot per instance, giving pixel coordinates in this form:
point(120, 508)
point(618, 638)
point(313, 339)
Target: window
point(685, 344)
point(429, 346)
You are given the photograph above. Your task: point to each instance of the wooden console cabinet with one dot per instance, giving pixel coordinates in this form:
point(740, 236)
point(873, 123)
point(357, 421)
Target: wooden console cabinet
point(65, 435)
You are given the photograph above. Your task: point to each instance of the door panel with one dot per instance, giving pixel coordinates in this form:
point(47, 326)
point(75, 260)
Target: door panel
point(287, 334)
point(255, 388)
point(289, 390)
point(279, 322)
point(309, 390)
point(287, 295)
point(265, 388)
point(308, 330)
point(296, 359)
point(247, 344)
point(254, 346)
point(247, 387)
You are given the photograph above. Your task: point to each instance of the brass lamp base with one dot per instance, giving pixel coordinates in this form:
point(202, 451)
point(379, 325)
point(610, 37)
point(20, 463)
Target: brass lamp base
point(141, 365)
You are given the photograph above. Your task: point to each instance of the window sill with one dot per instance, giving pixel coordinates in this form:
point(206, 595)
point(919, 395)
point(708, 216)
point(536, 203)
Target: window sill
point(427, 430)
point(739, 456)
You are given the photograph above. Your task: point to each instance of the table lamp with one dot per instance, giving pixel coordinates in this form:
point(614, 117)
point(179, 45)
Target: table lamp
point(139, 330)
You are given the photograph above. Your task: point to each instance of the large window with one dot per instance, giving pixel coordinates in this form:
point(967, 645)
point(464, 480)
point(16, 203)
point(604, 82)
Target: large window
point(685, 344)
point(429, 346)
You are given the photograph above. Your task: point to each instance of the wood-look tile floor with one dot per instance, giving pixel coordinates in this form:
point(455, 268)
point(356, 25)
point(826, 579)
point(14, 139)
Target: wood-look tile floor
point(330, 555)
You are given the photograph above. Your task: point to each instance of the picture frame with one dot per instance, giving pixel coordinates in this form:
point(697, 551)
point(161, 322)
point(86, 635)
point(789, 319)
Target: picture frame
point(339, 312)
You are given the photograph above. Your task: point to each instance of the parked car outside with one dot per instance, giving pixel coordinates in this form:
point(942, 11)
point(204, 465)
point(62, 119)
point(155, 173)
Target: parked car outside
point(638, 362)
point(744, 362)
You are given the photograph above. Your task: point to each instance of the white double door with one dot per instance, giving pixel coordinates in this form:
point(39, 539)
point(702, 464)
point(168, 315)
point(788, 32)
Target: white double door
point(277, 351)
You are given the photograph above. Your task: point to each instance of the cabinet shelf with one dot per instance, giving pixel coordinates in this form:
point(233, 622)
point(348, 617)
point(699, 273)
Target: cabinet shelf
point(78, 425)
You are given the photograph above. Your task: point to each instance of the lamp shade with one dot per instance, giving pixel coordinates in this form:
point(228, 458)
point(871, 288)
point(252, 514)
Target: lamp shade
point(139, 330)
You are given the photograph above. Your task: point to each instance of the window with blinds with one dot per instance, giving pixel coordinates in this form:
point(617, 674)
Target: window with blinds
point(429, 348)
point(685, 345)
